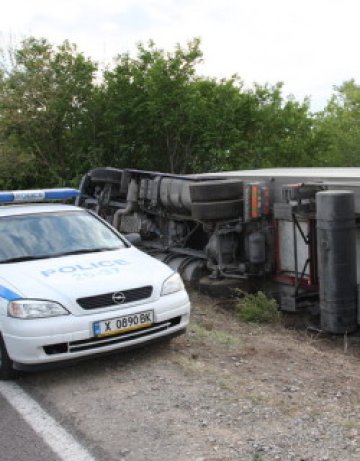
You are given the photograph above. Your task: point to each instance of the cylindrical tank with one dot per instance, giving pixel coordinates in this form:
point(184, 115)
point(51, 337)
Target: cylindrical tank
point(336, 243)
point(257, 250)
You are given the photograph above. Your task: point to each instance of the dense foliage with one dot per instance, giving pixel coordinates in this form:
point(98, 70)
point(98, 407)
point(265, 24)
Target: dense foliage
point(59, 117)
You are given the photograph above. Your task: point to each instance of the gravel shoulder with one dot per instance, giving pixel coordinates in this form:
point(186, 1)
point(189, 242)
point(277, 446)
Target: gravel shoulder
point(224, 391)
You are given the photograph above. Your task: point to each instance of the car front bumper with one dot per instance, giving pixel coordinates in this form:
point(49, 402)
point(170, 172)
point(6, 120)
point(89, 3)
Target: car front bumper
point(65, 338)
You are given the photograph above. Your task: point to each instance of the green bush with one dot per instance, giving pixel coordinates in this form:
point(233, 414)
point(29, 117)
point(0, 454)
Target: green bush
point(257, 308)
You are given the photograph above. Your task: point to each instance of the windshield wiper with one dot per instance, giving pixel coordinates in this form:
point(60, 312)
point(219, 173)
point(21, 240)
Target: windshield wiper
point(19, 259)
point(84, 251)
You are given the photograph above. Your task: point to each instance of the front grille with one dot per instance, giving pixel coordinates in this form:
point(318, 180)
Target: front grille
point(106, 299)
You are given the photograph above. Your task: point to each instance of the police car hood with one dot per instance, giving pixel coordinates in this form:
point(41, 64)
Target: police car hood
point(71, 277)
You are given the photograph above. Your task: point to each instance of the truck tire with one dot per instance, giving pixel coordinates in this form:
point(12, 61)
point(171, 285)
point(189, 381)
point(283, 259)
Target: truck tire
point(111, 175)
point(215, 211)
point(6, 364)
point(217, 190)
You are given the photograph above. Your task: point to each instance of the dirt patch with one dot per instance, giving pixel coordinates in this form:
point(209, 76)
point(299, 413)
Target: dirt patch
point(225, 391)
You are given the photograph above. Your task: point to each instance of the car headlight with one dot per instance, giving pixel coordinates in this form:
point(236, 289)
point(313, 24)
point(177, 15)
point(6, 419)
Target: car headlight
point(35, 308)
point(172, 284)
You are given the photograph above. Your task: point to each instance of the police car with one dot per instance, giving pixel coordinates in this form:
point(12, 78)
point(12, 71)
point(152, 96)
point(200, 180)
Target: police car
point(71, 286)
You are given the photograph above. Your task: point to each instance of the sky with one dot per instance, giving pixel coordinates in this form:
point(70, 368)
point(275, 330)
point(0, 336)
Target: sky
point(311, 46)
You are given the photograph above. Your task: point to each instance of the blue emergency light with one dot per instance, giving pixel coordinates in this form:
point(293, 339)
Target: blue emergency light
point(42, 195)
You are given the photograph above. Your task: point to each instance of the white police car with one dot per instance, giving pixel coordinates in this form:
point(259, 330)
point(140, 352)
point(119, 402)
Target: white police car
point(71, 286)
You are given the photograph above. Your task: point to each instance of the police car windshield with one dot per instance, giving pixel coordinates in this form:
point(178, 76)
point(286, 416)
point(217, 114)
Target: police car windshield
point(48, 235)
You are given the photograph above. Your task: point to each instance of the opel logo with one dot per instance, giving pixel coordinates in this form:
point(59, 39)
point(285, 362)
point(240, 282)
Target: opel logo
point(118, 297)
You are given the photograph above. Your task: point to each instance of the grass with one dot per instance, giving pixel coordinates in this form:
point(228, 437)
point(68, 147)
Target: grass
point(257, 308)
point(216, 336)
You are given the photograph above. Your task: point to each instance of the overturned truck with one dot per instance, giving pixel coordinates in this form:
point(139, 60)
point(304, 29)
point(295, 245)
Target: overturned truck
point(291, 232)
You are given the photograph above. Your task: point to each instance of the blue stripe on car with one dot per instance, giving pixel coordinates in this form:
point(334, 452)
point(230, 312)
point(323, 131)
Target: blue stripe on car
point(8, 294)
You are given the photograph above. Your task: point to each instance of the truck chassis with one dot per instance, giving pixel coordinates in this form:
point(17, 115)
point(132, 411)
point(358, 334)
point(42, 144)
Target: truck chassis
point(293, 232)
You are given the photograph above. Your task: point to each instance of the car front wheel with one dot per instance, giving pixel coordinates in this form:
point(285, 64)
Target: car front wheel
point(6, 365)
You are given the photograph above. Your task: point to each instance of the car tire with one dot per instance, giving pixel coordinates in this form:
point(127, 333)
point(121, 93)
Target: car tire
point(107, 174)
point(217, 210)
point(217, 190)
point(6, 364)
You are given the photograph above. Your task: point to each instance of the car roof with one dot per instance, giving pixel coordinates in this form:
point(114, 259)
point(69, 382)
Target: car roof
point(30, 208)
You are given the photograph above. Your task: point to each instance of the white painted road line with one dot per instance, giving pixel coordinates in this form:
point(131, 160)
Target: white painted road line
point(52, 433)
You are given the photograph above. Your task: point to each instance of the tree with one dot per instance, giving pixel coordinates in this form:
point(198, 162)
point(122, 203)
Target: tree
point(151, 111)
point(45, 118)
point(256, 128)
point(150, 103)
point(339, 126)
point(281, 130)
point(158, 114)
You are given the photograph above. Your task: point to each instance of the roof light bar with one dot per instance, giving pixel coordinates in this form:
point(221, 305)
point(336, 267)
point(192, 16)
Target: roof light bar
point(37, 195)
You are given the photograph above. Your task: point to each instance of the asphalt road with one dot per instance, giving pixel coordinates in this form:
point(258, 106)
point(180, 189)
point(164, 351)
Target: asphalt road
point(64, 411)
point(18, 441)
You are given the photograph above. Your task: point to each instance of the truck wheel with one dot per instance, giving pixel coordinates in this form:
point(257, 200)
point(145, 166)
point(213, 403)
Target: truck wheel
point(107, 174)
point(208, 191)
point(217, 210)
point(6, 364)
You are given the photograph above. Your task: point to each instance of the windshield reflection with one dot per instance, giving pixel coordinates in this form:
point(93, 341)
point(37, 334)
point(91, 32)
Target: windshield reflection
point(42, 235)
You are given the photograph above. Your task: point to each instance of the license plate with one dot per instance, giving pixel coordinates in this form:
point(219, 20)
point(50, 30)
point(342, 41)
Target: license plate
point(123, 324)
